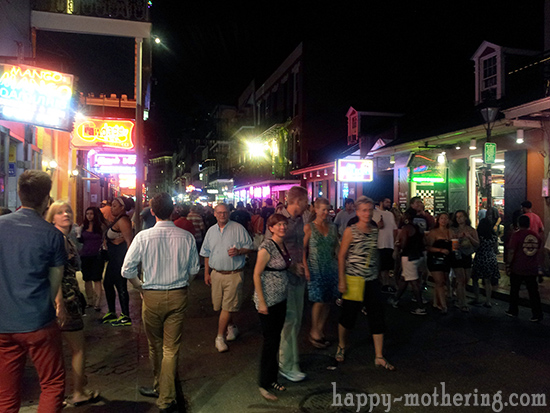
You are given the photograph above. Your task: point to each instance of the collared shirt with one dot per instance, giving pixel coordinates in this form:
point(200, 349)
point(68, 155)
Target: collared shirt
point(217, 242)
point(386, 234)
point(29, 247)
point(168, 255)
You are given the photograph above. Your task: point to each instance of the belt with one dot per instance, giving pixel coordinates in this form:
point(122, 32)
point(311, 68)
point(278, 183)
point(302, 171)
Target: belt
point(226, 272)
point(165, 289)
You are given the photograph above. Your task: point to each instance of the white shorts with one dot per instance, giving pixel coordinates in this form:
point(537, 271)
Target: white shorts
point(410, 268)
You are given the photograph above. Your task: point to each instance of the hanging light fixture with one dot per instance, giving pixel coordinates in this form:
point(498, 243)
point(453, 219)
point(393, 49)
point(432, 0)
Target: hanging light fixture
point(473, 145)
point(392, 159)
point(457, 146)
point(326, 173)
point(441, 157)
point(519, 136)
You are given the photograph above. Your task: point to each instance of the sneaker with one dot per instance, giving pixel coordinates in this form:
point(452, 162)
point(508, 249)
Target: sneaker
point(419, 311)
point(535, 319)
point(388, 289)
point(232, 332)
point(393, 302)
point(294, 376)
point(109, 318)
point(123, 320)
point(220, 345)
point(509, 314)
point(424, 301)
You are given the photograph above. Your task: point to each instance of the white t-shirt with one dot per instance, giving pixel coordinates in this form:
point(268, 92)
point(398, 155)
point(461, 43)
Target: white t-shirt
point(385, 235)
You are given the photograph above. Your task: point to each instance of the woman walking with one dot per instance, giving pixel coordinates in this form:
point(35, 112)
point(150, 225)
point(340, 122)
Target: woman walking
point(465, 241)
point(358, 281)
point(70, 306)
point(439, 247)
point(485, 264)
point(270, 294)
point(118, 237)
point(321, 271)
point(93, 228)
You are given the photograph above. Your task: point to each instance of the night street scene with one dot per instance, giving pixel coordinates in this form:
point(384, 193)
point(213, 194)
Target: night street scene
point(276, 206)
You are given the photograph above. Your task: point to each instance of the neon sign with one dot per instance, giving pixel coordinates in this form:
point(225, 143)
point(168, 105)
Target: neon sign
point(36, 96)
point(104, 133)
point(110, 163)
point(354, 170)
point(426, 169)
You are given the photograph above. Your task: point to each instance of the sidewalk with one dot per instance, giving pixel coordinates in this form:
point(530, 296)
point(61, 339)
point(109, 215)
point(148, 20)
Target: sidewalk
point(483, 349)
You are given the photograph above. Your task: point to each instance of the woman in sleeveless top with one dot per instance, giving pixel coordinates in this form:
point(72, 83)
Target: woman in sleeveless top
point(118, 237)
point(411, 243)
point(461, 261)
point(91, 238)
point(270, 294)
point(358, 262)
point(70, 305)
point(321, 271)
point(439, 247)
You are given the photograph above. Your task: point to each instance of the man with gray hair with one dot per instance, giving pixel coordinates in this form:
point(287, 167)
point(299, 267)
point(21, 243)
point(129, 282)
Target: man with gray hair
point(289, 358)
point(224, 249)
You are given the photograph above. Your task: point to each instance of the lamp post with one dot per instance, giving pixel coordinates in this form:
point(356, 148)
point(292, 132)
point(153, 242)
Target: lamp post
point(489, 116)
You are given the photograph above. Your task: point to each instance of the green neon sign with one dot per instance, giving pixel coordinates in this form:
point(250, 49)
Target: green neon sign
point(489, 152)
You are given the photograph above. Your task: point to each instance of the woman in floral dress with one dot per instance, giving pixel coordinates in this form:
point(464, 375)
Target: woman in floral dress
point(321, 271)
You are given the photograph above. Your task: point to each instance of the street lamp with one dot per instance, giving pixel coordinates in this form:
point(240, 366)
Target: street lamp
point(489, 114)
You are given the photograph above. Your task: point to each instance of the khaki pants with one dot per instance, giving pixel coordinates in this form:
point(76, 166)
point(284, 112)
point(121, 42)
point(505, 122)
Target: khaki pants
point(163, 315)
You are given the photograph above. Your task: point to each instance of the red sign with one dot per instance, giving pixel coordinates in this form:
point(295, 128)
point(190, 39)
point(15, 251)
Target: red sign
point(103, 133)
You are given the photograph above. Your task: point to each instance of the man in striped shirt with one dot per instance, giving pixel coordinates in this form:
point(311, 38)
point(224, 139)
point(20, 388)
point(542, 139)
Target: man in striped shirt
point(169, 259)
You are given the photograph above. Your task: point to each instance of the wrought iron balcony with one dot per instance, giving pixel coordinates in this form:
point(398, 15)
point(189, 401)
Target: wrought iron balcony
point(136, 10)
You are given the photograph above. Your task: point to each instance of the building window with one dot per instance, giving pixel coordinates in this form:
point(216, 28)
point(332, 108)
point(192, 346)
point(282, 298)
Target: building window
point(489, 79)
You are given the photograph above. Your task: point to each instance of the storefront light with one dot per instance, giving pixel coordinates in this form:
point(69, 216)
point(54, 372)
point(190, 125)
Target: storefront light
point(441, 157)
point(519, 136)
point(473, 146)
point(457, 147)
point(392, 159)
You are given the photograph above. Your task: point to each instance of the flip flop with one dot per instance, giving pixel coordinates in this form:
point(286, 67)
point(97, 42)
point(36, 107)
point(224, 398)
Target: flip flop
point(93, 397)
point(317, 343)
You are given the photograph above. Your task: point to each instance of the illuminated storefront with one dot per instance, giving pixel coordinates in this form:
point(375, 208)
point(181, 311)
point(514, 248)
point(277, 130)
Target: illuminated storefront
point(36, 114)
point(260, 191)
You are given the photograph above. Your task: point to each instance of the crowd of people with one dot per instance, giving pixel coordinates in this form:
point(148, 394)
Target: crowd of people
point(351, 257)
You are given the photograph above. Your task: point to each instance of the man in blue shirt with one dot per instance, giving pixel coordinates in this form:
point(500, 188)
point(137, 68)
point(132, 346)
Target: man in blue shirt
point(224, 248)
point(32, 257)
point(169, 258)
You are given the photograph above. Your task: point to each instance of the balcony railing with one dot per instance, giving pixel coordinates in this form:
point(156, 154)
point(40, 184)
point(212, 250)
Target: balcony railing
point(136, 10)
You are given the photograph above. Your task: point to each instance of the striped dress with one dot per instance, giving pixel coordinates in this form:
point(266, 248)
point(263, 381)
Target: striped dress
point(362, 258)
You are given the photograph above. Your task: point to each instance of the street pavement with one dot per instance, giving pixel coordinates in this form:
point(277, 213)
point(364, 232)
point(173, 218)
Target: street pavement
point(481, 352)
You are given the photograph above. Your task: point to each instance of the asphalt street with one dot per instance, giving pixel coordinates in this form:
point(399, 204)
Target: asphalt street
point(459, 359)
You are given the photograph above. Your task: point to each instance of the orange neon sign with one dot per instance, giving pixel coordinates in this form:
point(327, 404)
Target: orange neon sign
point(103, 133)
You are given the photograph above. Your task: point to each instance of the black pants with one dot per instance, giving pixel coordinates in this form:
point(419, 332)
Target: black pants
point(374, 304)
point(114, 279)
point(272, 325)
point(532, 288)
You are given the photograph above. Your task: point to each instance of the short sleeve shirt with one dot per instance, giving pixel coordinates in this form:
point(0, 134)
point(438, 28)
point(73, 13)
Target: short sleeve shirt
point(526, 245)
point(217, 242)
point(385, 235)
point(29, 247)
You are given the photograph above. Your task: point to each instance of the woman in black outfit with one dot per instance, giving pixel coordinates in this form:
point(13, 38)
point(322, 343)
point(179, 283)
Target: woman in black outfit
point(118, 237)
point(93, 228)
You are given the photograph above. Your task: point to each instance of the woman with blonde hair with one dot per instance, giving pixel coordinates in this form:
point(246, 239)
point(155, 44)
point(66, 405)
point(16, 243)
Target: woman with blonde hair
point(321, 269)
point(69, 304)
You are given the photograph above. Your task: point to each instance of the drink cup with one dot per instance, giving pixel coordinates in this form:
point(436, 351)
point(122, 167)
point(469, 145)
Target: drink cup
point(455, 244)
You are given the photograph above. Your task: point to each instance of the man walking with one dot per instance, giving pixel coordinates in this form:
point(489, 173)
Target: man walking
point(289, 357)
point(169, 258)
point(343, 217)
point(524, 260)
point(224, 249)
point(32, 257)
point(387, 231)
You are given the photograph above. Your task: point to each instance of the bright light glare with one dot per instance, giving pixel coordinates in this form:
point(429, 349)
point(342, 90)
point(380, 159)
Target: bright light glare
point(256, 149)
point(157, 40)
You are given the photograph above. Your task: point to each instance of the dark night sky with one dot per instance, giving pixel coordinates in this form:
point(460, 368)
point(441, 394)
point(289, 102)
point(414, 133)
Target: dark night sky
point(390, 55)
